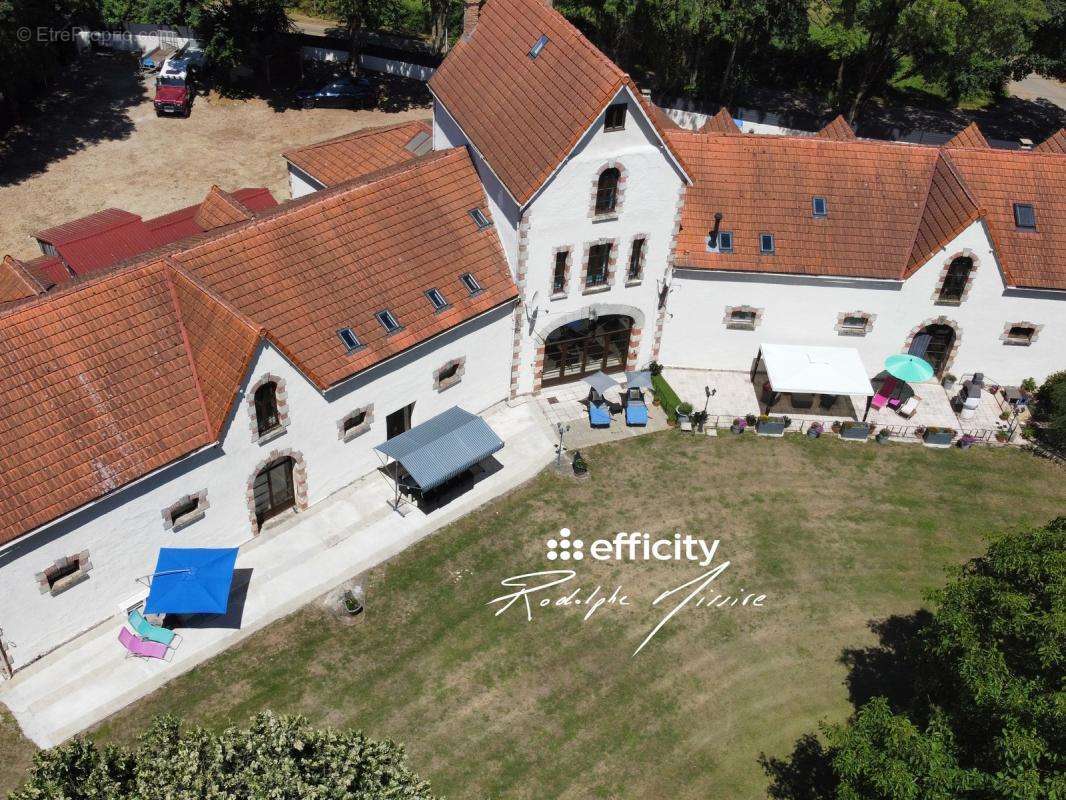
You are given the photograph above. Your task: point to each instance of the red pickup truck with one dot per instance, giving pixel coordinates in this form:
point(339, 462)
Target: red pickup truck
point(173, 94)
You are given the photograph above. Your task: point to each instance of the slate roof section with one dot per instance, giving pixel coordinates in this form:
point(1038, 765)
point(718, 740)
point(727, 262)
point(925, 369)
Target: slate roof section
point(97, 390)
point(362, 152)
point(334, 258)
point(838, 130)
point(970, 136)
point(525, 115)
point(722, 122)
point(1000, 178)
point(1056, 143)
point(766, 184)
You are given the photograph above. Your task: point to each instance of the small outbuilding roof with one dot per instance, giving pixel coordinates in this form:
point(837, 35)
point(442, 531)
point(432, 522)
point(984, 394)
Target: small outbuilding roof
point(442, 447)
point(816, 370)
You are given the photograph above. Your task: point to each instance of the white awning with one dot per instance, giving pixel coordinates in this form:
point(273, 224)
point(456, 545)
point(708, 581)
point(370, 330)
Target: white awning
point(816, 370)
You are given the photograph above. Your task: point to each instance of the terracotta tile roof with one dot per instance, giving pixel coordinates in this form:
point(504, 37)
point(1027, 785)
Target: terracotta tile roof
point(765, 184)
point(362, 152)
point(1000, 178)
point(837, 129)
point(97, 390)
point(219, 209)
point(970, 136)
point(722, 122)
point(49, 271)
point(658, 115)
point(1056, 143)
point(949, 209)
point(523, 114)
point(221, 344)
point(335, 258)
point(15, 282)
point(182, 223)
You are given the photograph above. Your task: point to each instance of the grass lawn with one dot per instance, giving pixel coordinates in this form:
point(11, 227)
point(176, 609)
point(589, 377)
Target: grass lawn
point(835, 535)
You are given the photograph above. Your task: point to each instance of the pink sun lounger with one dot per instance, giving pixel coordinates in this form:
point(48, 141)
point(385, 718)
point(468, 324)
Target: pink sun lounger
point(136, 646)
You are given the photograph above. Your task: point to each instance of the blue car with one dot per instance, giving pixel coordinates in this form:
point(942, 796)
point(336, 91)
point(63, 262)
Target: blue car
point(344, 92)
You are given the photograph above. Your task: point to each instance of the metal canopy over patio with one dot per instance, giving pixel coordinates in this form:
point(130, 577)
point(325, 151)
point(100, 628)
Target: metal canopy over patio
point(441, 448)
point(814, 370)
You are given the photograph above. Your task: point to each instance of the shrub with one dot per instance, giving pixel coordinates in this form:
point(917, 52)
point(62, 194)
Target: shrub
point(666, 395)
point(684, 408)
point(1051, 408)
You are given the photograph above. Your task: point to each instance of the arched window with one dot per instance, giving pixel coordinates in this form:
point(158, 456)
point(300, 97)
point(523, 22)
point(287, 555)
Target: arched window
point(607, 191)
point(955, 280)
point(267, 417)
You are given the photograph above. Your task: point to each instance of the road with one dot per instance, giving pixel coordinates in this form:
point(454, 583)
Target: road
point(1036, 87)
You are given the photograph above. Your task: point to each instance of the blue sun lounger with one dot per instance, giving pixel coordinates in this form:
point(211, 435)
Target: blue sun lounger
point(636, 408)
point(152, 633)
point(599, 415)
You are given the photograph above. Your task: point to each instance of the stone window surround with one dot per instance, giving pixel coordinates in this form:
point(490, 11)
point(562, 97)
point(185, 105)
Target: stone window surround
point(1006, 338)
point(936, 321)
point(299, 482)
point(964, 253)
point(735, 325)
point(447, 383)
point(281, 395)
point(184, 521)
point(552, 295)
point(358, 430)
point(611, 263)
point(619, 194)
point(845, 330)
point(643, 259)
point(61, 585)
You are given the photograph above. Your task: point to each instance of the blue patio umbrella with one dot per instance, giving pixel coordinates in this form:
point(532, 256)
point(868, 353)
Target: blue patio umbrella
point(909, 368)
point(191, 580)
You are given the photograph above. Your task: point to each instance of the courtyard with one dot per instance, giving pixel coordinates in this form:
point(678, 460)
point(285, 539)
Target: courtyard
point(495, 706)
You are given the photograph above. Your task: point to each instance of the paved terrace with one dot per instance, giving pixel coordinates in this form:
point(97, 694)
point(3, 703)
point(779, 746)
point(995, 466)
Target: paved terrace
point(735, 397)
point(567, 404)
point(294, 561)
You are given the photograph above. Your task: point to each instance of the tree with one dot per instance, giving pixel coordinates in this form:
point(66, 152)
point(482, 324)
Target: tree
point(987, 719)
point(238, 33)
point(1051, 408)
point(276, 757)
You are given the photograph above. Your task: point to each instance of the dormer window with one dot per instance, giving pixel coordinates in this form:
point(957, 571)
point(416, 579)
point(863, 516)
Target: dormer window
point(437, 299)
point(349, 339)
point(615, 118)
point(479, 218)
point(535, 50)
point(722, 243)
point(1025, 216)
point(388, 321)
point(470, 282)
point(766, 244)
point(819, 207)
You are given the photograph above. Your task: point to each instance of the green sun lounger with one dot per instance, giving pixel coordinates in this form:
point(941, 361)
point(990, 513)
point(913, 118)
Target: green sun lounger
point(149, 632)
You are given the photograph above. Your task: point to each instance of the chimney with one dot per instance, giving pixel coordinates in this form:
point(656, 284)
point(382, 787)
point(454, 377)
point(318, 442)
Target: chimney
point(471, 11)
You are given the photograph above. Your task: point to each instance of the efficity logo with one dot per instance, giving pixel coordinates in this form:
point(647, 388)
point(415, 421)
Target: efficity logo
point(632, 546)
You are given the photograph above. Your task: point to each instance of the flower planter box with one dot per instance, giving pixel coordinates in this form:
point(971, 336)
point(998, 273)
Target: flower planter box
point(856, 432)
point(772, 426)
point(938, 438)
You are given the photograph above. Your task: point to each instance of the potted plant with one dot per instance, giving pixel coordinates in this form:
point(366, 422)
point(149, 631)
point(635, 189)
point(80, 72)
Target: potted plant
point(882, 436)
point(948, 382)
point(855, 431)
point(934, 436)
point(352, 602)
point(751, 419)
point(815, 430)
point(772, 426)
point(655, 368)
point(966, 441)
point(738, 425)
point(581, 466)
point(683, 413)
point(1005, 415)
point(1002, 437)
point(835, 427)
point(699, 419)
point(1028, 387)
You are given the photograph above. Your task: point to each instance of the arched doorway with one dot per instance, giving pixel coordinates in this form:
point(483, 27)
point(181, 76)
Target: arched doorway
point(273, 489)
point(941, 342)
point(586, 346)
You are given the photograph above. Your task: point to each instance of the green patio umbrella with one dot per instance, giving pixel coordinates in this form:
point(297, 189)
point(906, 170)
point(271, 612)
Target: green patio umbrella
point(906, 367)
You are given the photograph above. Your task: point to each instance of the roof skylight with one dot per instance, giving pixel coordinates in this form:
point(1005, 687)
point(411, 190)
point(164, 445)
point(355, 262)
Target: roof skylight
point(388, 321)
point(470, 282)
point(534, 51)
point(479, 218)
point(1025, 216)
point(437, 299)
point(420, 144)
point(350, 340)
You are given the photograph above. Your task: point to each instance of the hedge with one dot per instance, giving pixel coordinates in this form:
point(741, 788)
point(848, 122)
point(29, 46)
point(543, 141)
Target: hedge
point(666, 395)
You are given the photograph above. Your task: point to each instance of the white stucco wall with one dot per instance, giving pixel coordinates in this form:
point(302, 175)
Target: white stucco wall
point(561, 216)
point(300, 183)
point(124, 532)
point(505, 211)
point(800, 310)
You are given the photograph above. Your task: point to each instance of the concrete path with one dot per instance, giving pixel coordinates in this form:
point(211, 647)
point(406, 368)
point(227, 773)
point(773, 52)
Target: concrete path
point(286, 567)
point(1037, 87)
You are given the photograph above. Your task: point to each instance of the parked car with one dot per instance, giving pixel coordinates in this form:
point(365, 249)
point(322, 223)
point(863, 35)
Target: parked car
point(173, 93)
point(343, 92)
